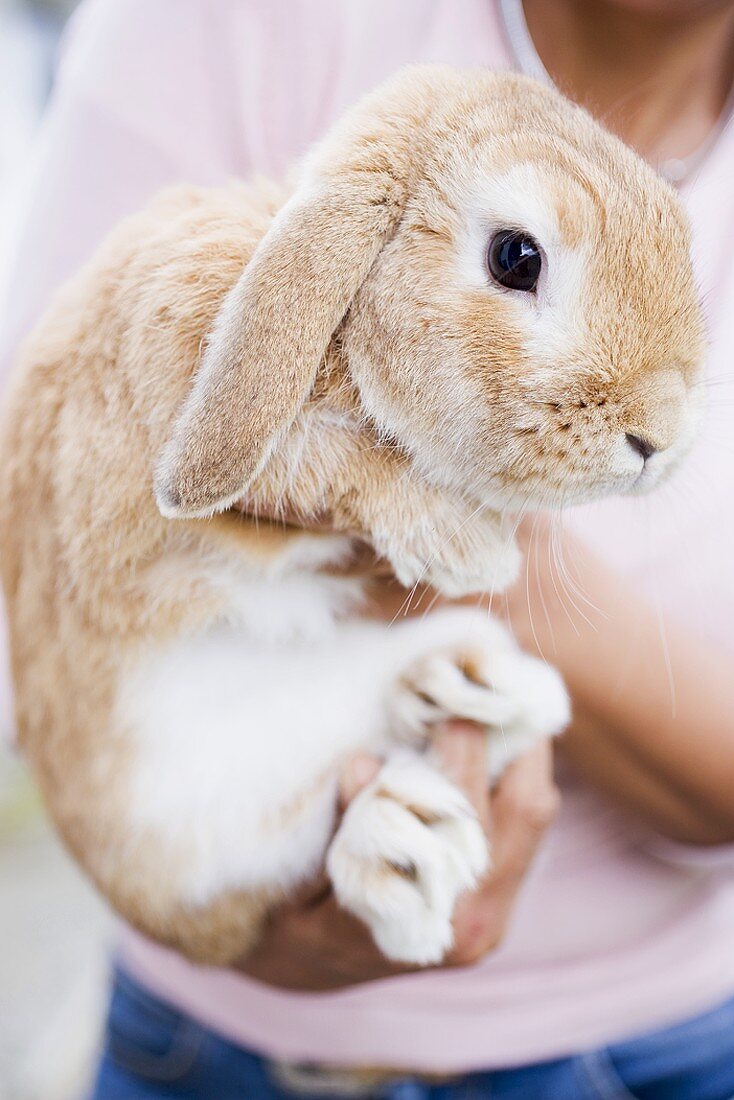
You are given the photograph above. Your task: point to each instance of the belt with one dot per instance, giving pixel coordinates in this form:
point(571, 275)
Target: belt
point(317, 1079)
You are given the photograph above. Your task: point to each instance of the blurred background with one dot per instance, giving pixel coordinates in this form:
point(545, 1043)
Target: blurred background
point(53, 930)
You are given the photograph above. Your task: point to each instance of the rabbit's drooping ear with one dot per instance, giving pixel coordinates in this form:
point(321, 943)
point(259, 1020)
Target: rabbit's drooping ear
point(263, 354)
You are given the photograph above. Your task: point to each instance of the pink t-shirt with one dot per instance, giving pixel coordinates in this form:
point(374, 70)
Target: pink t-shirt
point(616, 930)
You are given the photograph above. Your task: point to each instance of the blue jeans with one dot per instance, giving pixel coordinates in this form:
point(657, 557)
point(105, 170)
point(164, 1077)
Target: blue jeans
point(153, 1052)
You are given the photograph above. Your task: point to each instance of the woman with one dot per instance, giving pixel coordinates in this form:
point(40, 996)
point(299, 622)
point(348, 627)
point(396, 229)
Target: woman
point(613, 975)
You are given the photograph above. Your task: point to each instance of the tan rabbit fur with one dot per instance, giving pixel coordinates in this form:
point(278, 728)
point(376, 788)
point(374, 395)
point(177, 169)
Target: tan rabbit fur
point(352, 362)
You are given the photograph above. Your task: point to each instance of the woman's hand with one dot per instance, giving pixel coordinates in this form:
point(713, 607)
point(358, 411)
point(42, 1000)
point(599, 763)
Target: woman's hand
point(313, 945)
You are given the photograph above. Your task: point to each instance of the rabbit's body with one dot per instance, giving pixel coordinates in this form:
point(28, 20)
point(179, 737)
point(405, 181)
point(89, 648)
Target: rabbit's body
point(187, 688)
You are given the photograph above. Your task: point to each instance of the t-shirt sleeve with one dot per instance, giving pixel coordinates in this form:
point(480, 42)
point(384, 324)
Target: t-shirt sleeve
point(132, 109)
point(154, 92)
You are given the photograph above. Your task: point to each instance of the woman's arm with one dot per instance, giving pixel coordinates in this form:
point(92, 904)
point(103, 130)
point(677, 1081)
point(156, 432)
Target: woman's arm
point(654, 707)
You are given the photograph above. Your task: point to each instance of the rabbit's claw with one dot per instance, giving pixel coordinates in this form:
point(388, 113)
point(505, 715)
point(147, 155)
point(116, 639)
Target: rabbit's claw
point(407, 846)
point(518, 699)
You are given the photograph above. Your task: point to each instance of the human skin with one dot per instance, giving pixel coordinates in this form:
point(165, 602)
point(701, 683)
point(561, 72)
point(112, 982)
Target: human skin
point(653, 724)
point(658, 72)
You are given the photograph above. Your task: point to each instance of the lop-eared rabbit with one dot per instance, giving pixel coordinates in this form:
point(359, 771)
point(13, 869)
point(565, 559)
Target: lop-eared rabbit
point(473, 301)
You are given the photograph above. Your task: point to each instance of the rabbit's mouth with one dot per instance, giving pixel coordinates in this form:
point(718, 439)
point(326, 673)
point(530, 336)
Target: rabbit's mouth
point(624, 468)
point(583, 446)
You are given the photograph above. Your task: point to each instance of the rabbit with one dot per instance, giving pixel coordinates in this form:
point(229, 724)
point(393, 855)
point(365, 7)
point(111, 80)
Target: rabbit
point(469, 302)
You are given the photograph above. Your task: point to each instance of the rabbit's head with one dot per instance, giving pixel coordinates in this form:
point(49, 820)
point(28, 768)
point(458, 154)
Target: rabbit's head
point(514, 295)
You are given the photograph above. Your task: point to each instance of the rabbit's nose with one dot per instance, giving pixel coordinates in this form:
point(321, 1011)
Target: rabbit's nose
point(643, 446)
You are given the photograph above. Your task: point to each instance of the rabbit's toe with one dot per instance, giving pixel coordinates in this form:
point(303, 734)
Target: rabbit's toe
point(543, 707)
point(517, 698)
point(408, 845)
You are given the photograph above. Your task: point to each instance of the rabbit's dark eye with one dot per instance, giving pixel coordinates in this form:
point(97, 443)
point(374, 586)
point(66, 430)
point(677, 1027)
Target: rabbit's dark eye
point(514, 260)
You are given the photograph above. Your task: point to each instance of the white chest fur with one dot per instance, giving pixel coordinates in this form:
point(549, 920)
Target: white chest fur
point(236, 727)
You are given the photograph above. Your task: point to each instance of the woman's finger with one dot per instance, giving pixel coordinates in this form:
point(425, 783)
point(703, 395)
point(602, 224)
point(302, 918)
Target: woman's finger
point(462, 752)
point(524, 804)
point(522, 807)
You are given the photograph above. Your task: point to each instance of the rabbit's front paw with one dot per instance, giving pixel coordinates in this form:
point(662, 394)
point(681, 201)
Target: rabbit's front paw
point(517, 698)
point(452, 548)
point(407, 846)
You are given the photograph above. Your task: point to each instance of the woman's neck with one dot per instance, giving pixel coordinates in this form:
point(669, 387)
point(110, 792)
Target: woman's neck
point(658, 80)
